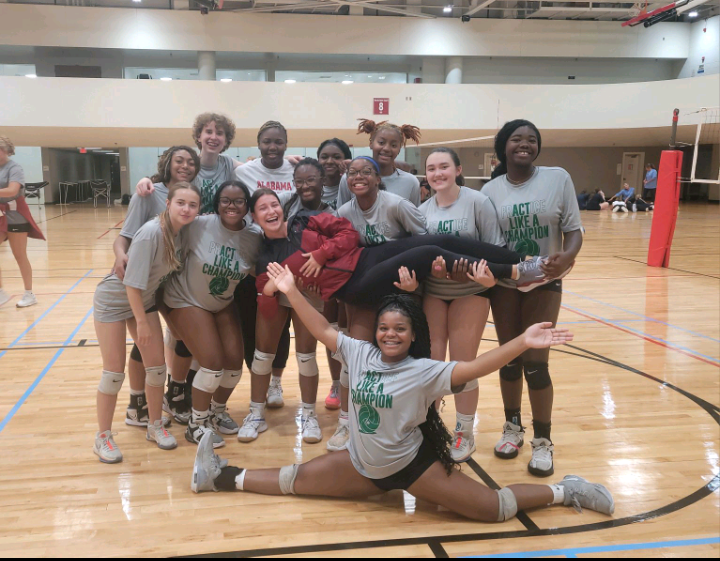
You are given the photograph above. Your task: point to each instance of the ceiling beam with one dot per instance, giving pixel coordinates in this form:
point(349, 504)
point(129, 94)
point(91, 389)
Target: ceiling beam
point(331, 3)
point(478, 8)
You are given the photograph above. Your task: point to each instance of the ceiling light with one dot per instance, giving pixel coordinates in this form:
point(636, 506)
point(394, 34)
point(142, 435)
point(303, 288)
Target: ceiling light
point(382, 77)
point(226, 80)
point(290, 81)
point(137, 1)
point(346, 82)
point(31, 75)
point(447, 9)
point(166, 79)
point(693, 14)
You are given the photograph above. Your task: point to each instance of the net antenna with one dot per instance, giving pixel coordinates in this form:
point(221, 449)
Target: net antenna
point(706, 152)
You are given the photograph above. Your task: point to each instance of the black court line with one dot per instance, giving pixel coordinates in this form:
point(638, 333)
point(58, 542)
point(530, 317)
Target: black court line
point(680, 504)
point(82, 343)
point(58, 216)
point(437, 549)
point(522, 516)
point(669, 268)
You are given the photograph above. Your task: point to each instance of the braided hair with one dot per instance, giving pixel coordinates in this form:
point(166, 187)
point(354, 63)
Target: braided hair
point(501, 141)
point(272, 125)
point(406, 132)
point(433, 429)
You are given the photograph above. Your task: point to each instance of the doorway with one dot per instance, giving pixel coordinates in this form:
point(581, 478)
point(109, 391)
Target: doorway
point(633, 170)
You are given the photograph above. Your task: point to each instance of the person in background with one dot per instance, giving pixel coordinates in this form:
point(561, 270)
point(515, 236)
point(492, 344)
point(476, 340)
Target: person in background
point(597, 201)
point(16, 222)
point(619, 200)
point(583, 199)
point(650, 183)
point(425, 191)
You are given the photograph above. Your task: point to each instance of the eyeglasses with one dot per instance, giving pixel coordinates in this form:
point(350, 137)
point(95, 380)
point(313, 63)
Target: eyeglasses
point(237, 203)
point(364, 173)
point(310, 182)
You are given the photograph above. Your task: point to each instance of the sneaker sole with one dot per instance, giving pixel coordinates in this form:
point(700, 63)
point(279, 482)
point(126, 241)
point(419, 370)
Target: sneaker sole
point(192, 441)
point(102, 460)
point(335, 449)
point(540, 473)
point(2, 303)
point(162, 447)
point(247, 439)
point(511, 455)
point(228, 432)
point(275, 405)
point(312, 439)
point(332, 406)
point(26, 305)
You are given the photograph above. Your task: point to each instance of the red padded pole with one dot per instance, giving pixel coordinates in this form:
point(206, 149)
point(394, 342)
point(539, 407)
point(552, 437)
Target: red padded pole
point(667, 199)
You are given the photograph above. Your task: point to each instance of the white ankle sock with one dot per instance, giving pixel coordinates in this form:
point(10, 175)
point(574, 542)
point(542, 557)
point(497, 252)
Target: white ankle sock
point(136, 392)
point(308, 409)
point(464, 423)
point(199, 417)
point(558, 494)
point(214, 404)
point(240, 480)
point(275, 380)
point(344, 418)
point(257, 407)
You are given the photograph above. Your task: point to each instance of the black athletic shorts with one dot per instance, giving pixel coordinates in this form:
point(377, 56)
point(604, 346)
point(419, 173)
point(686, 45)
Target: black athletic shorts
point(19, 228)
point(403, 479)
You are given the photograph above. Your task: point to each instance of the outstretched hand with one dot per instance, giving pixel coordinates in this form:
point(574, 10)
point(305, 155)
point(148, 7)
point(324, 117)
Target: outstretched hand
point(438, 269)
point(482, 275)
point(282, 277)
point(543, 335)
point(408, 282)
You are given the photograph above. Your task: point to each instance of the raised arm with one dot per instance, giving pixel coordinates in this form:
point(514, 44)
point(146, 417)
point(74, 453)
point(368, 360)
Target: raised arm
point(145, 187)
point(311, 318)
point(538, 336)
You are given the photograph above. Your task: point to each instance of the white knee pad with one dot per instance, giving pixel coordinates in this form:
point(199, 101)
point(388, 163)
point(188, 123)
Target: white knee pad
point(507, 505)
point(470, 386)
point(170, 341)
point(344, 376)
point(288, 475)
point(155, 376)
point(307, 364)
point(230, 379)
point(111, 382)
point(262, 363)
point(207, 380)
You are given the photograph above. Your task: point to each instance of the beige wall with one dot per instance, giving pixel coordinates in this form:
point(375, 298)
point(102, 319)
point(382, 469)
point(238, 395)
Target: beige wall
point(63, 26)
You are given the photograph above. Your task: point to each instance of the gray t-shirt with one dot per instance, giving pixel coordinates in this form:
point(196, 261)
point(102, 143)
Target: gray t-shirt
point(255, 175)
point(144, 209)
point(12, 172)
point(390, 218)
point(330, 196)
point(209, 179)
point(533, 216)
point(470, 216)
point(146, 271)
point(388, 403)
point(217, 260)
point(400, 183)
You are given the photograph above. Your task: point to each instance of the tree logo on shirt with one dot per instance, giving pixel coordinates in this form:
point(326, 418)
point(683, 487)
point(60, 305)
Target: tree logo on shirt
point(368, 419)
point(219, 285)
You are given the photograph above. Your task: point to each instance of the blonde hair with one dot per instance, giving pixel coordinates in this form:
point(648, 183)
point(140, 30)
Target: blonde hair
point(170, 257)
point(406, 132)
point(7, 145)
point(223, 122)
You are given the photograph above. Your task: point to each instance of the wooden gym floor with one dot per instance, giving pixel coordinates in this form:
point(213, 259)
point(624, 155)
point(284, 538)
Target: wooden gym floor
point(636, 408)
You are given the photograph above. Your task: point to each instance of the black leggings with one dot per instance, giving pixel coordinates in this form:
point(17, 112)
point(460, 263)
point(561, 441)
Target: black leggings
point(377, 268)
point(246, 306)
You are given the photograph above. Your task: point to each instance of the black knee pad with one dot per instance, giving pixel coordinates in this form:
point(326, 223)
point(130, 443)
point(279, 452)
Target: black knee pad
point(181, 350)
point(537, 375)
point(512, 372)
point(135, 354)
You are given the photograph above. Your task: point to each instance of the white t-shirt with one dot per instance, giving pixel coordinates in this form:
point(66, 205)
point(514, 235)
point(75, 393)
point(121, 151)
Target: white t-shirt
point(256, 176)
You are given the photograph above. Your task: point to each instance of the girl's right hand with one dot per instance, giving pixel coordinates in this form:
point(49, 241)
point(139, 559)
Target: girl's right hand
point(543, 335)
point(144, 333)
point(145, 187)
point(438, 269)
point(283, 278)
point(482, 275)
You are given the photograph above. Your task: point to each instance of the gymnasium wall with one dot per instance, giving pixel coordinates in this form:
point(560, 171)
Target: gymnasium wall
point(704, 42)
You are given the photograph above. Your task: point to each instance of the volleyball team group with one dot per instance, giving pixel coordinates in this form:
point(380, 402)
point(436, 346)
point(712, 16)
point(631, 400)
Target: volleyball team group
point(231, 253)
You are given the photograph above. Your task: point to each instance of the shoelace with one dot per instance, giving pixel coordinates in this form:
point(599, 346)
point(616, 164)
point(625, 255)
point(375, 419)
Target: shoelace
point(574, 502)
point(106, 442)
point(307, 420)
point(251, 419)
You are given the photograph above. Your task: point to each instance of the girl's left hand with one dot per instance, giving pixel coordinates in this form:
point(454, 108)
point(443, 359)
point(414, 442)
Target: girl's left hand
point(311, 268)
point(482, 275)
point(542, 336)
point(408, 282)
point(460, 271)
point(556, 265)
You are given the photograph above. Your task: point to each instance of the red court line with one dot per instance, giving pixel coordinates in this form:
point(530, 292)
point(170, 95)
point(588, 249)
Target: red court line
point(116, 225)
point(660, 343)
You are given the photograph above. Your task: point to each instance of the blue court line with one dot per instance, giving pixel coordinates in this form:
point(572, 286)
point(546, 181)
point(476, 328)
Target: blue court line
point(622, 324)
point(50, 309)
point(37, 381)
point(652, 320)
point(572, 553)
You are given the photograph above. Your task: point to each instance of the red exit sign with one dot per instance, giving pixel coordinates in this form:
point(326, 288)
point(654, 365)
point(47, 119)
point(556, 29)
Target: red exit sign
point(381, 106)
